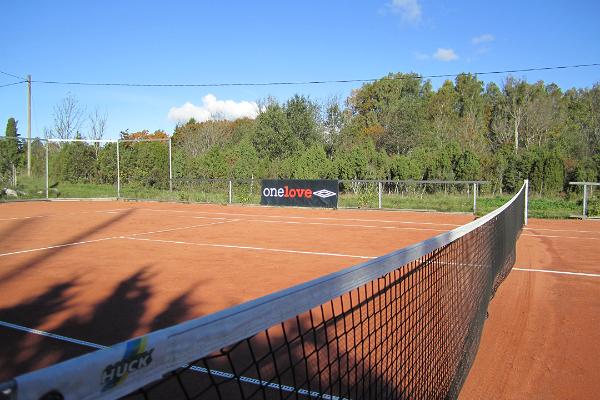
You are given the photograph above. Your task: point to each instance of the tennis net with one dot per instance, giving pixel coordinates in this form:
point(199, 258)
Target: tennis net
point(404, 325)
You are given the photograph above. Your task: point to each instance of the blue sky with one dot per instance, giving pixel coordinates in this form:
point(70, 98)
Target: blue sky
point(202, 42)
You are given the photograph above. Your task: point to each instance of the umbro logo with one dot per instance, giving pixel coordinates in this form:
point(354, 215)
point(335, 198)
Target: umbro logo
point(324, 193)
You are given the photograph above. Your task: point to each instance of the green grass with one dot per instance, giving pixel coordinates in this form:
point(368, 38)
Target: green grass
point(539, 207)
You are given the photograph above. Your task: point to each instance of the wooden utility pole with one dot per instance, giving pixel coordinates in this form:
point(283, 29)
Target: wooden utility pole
point(28, 125)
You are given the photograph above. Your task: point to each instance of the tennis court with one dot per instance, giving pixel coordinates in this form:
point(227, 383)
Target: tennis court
point(77, 276)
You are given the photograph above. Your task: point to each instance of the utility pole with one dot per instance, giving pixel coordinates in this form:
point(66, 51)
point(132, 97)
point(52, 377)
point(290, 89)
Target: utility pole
point(28, 125)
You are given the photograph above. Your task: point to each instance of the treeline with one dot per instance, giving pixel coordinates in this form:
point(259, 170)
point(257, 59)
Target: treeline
point(397, 127)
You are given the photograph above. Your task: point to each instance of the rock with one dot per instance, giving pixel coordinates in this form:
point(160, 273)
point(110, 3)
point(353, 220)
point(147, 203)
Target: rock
point(10, 192)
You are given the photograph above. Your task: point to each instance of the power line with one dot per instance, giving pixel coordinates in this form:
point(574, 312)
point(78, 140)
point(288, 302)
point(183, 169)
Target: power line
point(11, 84)
point(312, 82)
point(289, 83)
point(14, 76)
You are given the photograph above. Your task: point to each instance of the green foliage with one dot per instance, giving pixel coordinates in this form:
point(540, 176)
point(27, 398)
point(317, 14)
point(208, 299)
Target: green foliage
point(302, 117)
point(11, 150)
point(107, 164)
point(273, 136)
point(467, 166)
point(405, 168)
point(74, 163)
point(244, 161)
point(309, 164)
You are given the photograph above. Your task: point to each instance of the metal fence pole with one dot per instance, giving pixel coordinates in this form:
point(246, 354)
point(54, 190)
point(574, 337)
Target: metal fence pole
point(47, 185)
point(380, 187)
point(585, 210)
point(230, 192)
point(474, 198)
point(118, 172)
point(526, 200)
point(170, 167)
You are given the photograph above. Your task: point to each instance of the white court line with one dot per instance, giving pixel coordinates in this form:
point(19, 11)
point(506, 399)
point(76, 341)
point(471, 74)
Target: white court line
point(183, 227)
point(51, 335)
point(343, 225)
point(216, 372)
point(112, 211)
point(108, 238)
point(229, 246)
point(18, 218)
point(559, 230)
point(549, 271)
point(56, 246)
point(299, 217)
point(562, 237)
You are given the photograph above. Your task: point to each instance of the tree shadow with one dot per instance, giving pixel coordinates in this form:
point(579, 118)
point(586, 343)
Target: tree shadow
point(17, 228)
point(114, 319)
point(47, 254)
point(21, 351)
point(177, 311)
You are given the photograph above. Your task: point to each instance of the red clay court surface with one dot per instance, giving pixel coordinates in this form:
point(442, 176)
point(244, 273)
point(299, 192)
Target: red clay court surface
point(104, 272)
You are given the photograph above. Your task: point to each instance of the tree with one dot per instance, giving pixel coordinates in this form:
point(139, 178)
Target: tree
point(273, 136)
point(518, 95)
point(390, 111)
point(471, 111)
point(13, 147)
point(441, 111)
point(144, 162)
point(302, 116)
point(97, 125)
point(334, 121)
point(68, 118)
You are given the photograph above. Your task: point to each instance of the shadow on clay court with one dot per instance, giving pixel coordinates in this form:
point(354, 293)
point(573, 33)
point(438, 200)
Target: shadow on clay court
point(114, 319)
point(16, 229)
point(43, 256)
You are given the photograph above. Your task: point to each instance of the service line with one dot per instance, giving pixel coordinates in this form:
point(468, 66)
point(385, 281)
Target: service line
point(56, 246)
point(549, 271)
point(408, 228)
point(231, 246)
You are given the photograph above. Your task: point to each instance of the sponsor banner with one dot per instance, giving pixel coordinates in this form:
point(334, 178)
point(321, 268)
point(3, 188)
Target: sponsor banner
point(299, 193)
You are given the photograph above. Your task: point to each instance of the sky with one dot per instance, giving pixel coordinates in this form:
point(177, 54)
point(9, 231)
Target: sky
point(221, 42)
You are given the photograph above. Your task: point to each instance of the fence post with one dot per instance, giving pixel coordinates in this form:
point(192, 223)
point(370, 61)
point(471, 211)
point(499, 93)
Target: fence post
point(585, 210)
point(474, 198)
point(380, 188)
point(230, 192)
point(170, 168)
point(47, 186)
point(526, 200)
point(118, 172)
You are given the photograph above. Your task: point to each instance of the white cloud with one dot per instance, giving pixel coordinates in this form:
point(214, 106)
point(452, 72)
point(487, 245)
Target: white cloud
point(409, 10)
point(213, 109)
point(485, 38)
point(445, 55)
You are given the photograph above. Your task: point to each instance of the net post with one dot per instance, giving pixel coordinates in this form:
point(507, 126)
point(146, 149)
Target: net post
point(380, 192)
point(230, 192)
point(118, 172)
point(526, 201)
point(474, 198)
point(170, 167)
point(47, 185)
point(585, 210)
